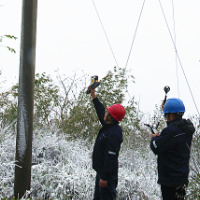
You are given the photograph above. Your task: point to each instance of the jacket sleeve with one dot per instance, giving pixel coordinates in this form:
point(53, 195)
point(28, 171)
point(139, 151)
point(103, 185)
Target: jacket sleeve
point(164, 142)
point(100, 110)
point(111, 154)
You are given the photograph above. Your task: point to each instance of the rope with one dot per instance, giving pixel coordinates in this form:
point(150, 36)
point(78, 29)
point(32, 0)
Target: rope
point(135, 34)
point(105, 34)
point(179, 59)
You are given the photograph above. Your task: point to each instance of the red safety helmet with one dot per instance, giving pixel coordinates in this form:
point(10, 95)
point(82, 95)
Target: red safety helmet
point(117, 111)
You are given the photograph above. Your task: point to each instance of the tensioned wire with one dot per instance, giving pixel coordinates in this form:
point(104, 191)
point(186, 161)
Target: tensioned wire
point(176, 62)
point(105, 33)
point(176, 52)
point(179, 60)
point(135, 34)
point(133, 40)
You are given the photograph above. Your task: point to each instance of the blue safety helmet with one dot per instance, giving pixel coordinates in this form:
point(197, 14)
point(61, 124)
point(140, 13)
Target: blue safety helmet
point(174, 105)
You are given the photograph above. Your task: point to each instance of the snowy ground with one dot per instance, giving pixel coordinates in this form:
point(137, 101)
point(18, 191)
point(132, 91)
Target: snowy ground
point(63, 169)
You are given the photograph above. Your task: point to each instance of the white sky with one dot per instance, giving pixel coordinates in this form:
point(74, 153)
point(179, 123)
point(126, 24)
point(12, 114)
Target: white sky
point(70, 37)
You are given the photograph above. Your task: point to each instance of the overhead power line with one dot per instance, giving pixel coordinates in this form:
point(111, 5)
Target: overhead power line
point(179, 58)
point(176, 62)
point(134, 36)
point(105, 33)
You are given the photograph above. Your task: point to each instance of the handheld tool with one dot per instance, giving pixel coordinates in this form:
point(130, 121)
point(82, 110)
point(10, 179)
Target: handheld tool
point(94, 83)
point(166, 89)
point(152, 128)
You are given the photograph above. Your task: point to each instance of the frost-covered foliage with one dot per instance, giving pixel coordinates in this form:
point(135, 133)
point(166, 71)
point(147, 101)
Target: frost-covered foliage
point(7, 157)
point(65, 103)
point(62, 168)
point(138, 175)
point(65, 126)
point(193, 190)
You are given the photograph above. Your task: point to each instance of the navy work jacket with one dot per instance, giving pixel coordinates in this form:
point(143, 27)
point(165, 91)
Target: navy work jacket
point(107, 145)
point(173, 150)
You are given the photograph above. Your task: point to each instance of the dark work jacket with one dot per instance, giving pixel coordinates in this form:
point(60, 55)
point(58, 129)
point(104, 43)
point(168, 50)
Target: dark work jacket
point(107, 145)
point(173, 150)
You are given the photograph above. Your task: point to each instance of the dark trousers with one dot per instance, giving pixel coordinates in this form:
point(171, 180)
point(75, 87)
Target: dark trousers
point(172, 193)
point(107, 193)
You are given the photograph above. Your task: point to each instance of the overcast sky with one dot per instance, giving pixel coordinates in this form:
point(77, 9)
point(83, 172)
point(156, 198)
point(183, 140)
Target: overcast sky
point(70, 37)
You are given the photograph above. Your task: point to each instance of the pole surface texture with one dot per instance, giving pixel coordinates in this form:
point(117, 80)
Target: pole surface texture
point(25, 99)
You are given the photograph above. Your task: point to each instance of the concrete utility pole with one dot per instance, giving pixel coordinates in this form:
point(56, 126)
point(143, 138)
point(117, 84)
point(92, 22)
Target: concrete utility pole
point(25, 99)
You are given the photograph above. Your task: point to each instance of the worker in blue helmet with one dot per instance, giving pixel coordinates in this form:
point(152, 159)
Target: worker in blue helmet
point(172, 147)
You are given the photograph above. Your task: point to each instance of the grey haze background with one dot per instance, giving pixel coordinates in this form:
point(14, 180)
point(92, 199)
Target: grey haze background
point(70, 38)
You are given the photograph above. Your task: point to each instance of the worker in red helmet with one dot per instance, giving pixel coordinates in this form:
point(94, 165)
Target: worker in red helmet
point(106, 149)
